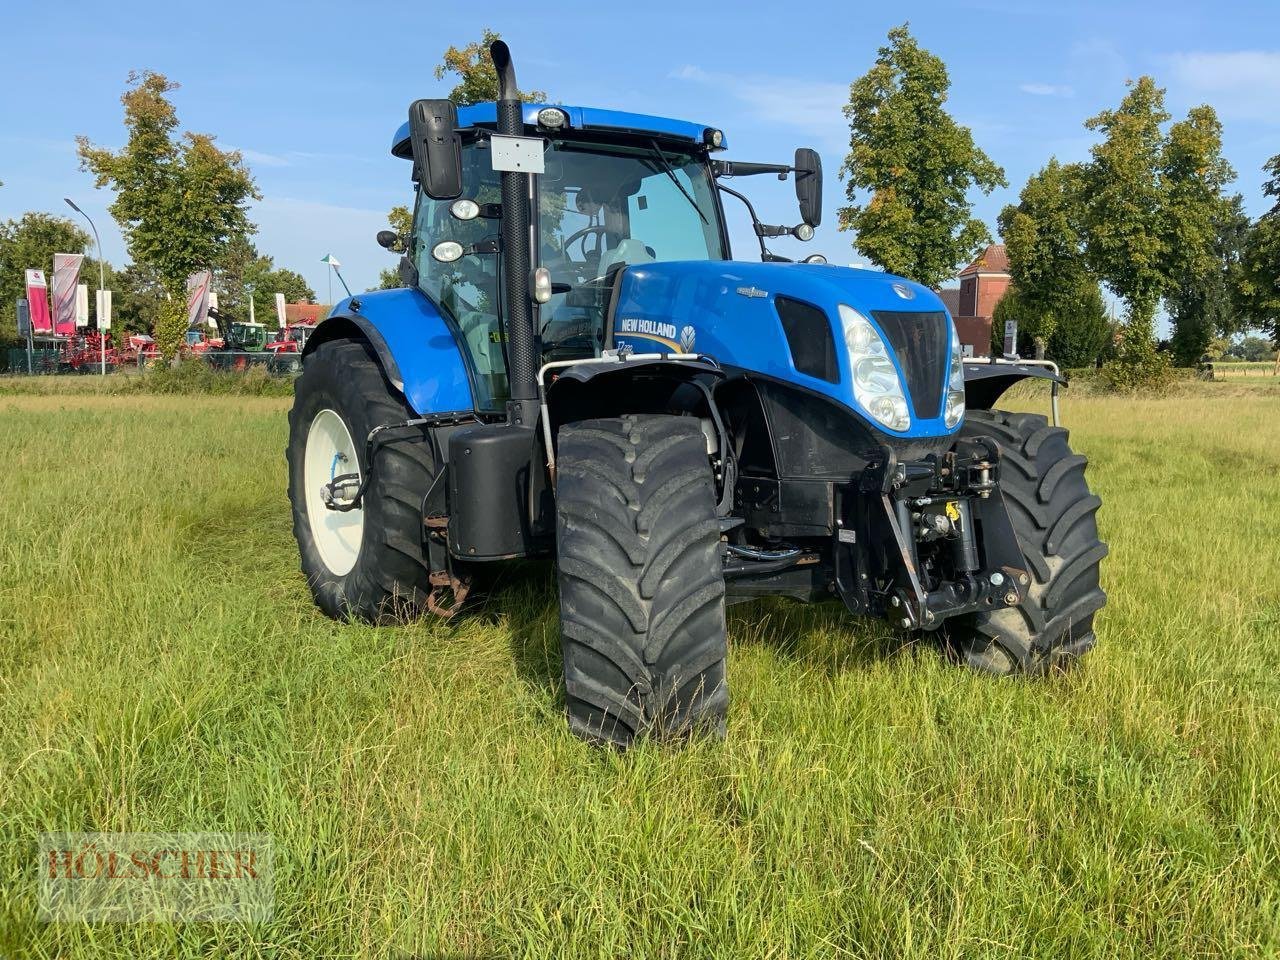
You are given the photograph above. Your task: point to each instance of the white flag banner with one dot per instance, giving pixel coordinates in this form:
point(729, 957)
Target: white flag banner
point(104, 309)
point(198, 297)
point(82, 305)
point(66, 274)
point(280, 312)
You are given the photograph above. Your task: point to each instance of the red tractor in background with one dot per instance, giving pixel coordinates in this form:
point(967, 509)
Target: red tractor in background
point(287, 345)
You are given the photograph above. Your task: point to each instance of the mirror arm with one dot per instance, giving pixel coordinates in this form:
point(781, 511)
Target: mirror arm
point(739, 168)
point(765, 255)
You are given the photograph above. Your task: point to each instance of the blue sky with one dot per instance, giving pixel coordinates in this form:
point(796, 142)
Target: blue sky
point(311, 93)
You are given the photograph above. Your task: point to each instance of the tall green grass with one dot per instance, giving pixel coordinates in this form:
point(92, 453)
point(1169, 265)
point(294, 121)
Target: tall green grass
point(162, 668)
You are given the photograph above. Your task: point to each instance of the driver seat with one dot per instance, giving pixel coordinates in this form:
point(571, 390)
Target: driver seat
point(629, 251)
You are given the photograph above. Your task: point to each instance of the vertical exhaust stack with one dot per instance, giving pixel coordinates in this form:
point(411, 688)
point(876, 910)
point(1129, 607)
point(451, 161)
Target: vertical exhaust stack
point(516, 251)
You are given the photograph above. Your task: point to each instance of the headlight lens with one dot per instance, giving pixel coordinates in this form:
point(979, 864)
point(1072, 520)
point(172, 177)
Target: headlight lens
point(876, 385)
point(955, 383)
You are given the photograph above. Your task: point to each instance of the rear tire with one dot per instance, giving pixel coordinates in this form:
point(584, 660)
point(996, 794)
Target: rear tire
point(1054, 517)
point(375, 566)
point(641, 588)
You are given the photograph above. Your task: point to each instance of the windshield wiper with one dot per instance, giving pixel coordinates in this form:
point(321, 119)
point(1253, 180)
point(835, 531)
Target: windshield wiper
point(672, 174)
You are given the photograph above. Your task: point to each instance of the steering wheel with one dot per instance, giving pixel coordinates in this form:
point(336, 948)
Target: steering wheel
point(582, 235)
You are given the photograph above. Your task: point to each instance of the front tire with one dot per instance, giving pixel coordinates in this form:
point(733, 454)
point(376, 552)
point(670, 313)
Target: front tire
point(369, 563)
point(641, 587)
point(1054, 517)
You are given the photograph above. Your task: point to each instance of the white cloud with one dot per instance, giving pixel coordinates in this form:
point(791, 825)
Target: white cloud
point(1047, 89)
point(1241, 83)
point(813, 106)
point(260, 158)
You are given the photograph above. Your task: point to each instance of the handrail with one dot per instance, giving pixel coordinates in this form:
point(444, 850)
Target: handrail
point(1048, 364)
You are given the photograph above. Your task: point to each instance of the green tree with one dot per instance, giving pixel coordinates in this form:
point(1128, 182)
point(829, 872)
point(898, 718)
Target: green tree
point(1203, 302)
point(138, 300)
point(248, 274)
point(1258, 294)
point(400, 222)
point(29, 243)
point(1196, 213)
point(1046, 256)
point(1252, 349)
point(477, 80)
point(916, 163)
point(179, 199)
point(1124, 210)
point(1084, 332)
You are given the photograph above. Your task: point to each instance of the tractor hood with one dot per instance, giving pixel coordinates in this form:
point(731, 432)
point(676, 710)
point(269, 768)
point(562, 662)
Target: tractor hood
point(784, 321)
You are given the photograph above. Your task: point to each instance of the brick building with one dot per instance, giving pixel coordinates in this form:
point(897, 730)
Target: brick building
point(973, 303)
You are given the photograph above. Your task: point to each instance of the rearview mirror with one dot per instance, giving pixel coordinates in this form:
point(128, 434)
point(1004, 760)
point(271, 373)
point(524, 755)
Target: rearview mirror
point(808, 168)
point(388, 240)
point(437, 148)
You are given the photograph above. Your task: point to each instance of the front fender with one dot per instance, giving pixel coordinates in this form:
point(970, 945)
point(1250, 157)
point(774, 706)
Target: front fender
point(413, 342)
point(985, 383)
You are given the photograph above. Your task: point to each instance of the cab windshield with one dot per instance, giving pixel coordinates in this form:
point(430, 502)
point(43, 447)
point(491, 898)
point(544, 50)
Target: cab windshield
point(599, 207)
point(605, 207)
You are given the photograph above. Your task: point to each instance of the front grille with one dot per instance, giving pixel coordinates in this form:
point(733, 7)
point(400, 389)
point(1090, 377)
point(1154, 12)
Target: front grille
point(920, 341)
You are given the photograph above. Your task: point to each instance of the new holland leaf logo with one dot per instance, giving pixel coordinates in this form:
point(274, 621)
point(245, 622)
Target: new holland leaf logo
point(688, 336)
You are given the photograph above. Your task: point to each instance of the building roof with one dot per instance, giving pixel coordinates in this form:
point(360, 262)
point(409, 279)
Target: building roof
point(951, 299)
point(305, 312)
point(994, 259)
point(580, 118)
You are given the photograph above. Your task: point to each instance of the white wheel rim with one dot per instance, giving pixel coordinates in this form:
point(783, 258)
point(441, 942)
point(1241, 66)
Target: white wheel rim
point(336, 533)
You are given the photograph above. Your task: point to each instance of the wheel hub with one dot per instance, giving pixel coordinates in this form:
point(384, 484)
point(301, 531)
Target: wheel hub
point(330, 454)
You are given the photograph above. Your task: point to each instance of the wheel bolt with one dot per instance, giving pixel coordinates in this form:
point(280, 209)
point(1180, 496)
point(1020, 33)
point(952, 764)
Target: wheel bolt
point(997, 578)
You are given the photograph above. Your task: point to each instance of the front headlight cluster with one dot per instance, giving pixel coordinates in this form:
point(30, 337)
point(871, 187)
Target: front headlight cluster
point(955, 383)
point(876, 385)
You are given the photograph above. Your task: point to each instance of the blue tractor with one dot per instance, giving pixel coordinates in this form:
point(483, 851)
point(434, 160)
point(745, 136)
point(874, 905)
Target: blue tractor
point(576, 369)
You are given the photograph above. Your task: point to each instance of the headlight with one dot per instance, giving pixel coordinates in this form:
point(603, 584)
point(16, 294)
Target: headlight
point(955, 382)
point(876, 385)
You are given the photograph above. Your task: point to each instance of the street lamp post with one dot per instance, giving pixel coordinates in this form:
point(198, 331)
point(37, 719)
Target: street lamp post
point(102, 283)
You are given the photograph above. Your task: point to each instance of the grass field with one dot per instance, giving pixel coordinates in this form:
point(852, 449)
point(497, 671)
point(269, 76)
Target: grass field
point(162, 668)
point(1231, 371)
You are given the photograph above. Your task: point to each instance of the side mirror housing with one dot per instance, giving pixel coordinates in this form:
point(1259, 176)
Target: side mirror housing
point(808, 167)
point(388, 240)
point(437, 148)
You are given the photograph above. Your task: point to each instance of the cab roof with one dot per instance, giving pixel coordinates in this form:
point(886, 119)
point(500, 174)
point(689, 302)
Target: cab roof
point(580, 118)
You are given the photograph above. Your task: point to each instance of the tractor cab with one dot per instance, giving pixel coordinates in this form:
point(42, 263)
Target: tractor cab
point(616, 190)
point(248, 335)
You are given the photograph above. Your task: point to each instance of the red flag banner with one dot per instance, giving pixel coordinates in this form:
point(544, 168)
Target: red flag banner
point(198, 297)
point(66, 274)
point(38, 302)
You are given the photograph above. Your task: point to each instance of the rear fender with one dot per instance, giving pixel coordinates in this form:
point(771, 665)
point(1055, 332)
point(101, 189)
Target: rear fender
point(413, 342)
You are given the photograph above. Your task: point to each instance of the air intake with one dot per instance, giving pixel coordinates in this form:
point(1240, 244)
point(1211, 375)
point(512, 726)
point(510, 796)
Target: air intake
point(808, 331)
point(920, 342)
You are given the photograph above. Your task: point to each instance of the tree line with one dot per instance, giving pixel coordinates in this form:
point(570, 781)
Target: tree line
point(1148, 215)
point(181, 204)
